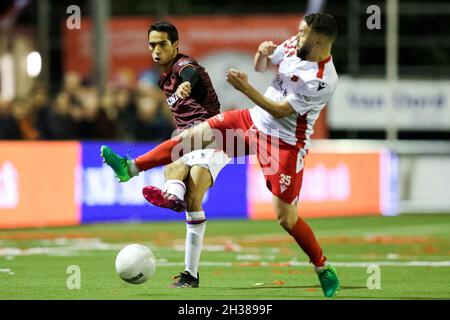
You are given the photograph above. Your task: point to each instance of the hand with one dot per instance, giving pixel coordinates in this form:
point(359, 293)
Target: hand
point(184, 90)
point(267, 48)
point(237, 79)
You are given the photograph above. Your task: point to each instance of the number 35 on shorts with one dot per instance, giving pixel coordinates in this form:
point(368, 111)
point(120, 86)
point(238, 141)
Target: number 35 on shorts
point(285, 180)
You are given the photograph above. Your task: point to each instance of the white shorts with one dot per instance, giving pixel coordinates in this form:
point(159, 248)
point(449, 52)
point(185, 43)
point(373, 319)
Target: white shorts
point(213, 160)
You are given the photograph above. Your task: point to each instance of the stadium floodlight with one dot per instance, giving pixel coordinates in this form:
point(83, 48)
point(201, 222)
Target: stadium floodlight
point(34, 64)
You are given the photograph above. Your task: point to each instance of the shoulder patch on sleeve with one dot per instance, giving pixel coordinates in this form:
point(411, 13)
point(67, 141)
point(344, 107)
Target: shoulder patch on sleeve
point(183, 62)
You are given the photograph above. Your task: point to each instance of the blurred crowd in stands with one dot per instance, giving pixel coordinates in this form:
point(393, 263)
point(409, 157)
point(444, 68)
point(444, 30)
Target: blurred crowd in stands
point(81, 112)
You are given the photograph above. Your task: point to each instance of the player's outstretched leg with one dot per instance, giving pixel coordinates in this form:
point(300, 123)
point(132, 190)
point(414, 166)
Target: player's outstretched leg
point(197, 137)
point(120, 165)
point(194, 138)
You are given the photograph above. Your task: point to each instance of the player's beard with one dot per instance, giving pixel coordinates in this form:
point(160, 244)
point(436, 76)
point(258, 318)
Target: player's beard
point(303, 51)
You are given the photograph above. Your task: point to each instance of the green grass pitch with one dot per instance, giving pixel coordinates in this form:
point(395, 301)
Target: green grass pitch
point(241, 260)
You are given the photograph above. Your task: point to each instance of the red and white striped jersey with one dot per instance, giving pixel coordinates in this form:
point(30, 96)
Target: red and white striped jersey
point(307, 86)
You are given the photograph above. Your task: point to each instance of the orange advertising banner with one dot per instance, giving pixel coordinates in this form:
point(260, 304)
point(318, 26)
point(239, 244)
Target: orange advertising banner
point(334, 184)
point(38, 184)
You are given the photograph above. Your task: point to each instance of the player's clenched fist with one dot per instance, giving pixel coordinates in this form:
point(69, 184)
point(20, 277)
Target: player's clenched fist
point(267, 48)
point(184, 90)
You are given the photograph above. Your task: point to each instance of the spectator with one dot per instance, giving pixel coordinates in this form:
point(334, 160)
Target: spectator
point(41, 109)
point(62, 124)
point(106, 118)
point(22, 112)
point(72, 86)
point(149, 123)
point(89, 110)
point(9, 129)
point(126, 113)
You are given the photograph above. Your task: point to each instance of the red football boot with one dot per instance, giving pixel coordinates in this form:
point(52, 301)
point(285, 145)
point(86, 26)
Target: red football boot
point(163, 199)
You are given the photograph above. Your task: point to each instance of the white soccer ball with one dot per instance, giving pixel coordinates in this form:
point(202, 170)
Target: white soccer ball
point(135, 263)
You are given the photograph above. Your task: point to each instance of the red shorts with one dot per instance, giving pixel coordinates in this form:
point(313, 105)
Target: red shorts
point(282, 163)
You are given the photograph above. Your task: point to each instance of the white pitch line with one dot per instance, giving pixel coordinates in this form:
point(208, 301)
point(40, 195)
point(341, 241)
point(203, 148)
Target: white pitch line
point(363, 264)
point(8, 271)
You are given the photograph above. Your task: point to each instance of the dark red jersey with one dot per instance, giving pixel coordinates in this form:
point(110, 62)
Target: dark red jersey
point(200, 105)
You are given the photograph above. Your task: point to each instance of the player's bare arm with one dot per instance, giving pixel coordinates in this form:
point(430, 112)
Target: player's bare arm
point(262, 61)
point(239, 81)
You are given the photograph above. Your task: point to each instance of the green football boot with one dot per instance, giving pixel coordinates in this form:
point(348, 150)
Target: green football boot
point(328, 280)
point(119, 164)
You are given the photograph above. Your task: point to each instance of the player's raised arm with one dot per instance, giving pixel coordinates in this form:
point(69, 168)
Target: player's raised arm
point(239, 81)
point(261, 60)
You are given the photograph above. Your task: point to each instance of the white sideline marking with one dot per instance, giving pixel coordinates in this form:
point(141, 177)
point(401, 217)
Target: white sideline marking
point(8, 271)
point(83, 246)
point(363, 264)
point(61, 247)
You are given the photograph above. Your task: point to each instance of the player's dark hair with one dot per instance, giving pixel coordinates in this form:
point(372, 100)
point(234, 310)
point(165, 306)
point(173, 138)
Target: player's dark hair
point(322, 23)
point(165, 26)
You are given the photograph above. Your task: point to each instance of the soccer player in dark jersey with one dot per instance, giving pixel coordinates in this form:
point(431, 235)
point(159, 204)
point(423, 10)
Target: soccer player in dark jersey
point(192, 99)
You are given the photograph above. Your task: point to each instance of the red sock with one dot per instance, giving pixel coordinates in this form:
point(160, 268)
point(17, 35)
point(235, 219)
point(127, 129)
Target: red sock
point(159, 156)
point(305, 238)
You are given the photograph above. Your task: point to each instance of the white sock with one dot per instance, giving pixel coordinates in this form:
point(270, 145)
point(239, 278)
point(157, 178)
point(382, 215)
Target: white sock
point(133, 170)
point(175, 187)
point(195, 231)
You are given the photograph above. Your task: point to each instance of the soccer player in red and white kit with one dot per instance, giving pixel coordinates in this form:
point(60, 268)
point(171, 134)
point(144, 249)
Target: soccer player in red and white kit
point(192, 99)
point(280, 125)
